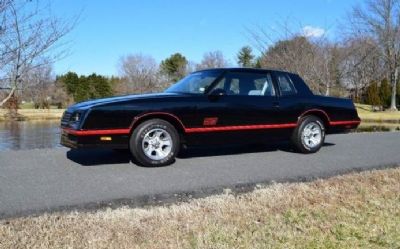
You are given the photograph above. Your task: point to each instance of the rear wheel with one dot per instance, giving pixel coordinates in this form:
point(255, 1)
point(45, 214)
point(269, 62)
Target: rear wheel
point(309, 136)
point(154, 143)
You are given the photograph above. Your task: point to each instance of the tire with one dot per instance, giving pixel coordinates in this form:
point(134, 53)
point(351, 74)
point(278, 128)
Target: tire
point(309, 136)
point(154, 143)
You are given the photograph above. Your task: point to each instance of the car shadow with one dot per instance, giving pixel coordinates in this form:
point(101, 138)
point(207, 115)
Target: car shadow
point(95, 157)
point(207, 151)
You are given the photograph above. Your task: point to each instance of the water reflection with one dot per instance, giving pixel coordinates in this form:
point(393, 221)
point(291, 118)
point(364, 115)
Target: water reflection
point(29, 135)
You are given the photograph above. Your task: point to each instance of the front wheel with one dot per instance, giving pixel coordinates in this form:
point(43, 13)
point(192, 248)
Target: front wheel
point(154, 143)
point(309, 136)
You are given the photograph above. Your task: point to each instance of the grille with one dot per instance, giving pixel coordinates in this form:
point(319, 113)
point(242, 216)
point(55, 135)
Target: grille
point(65, 119)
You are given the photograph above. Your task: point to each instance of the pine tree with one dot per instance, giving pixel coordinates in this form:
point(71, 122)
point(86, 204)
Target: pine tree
point(174, 66)
point(83, 91)
point(398, 93)
point(100, 86)
point(71, 82)
point(245, 57)
point(385, 93)
point(83, 88)
point(258, 63)
point(372, 96)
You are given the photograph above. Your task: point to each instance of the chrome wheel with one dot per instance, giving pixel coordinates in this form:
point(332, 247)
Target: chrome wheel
point(312, 135)
point(157, 144)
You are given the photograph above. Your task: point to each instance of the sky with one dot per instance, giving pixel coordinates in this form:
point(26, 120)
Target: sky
point(107, 30)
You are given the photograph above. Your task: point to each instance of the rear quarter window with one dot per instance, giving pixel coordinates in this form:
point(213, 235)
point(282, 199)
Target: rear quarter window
point(286, 86)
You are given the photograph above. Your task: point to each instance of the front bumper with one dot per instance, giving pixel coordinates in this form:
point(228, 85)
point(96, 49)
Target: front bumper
point(69, 140)
point(72, 139)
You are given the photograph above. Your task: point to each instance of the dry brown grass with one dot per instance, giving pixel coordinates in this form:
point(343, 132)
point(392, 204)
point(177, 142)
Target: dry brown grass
point(36, 114)
point(351, 211)
point(366, 114)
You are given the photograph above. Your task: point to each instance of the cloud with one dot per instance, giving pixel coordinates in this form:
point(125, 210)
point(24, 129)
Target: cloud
point(310, 31)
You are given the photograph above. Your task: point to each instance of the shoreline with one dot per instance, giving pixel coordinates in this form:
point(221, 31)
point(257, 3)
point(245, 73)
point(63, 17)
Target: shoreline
point(34, 115)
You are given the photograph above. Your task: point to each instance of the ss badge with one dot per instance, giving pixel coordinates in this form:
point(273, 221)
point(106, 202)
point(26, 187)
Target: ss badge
point(210, 121)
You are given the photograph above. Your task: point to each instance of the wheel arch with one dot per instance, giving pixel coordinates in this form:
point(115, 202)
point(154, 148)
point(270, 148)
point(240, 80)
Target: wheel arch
point(318, 113)
point(170, 118)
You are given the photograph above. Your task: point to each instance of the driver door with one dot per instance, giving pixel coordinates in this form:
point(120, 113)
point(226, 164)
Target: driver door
point(240, 101)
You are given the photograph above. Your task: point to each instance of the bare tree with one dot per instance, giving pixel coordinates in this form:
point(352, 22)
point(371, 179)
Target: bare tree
point(314, 58)
point(191, 67)
point(140, 73)
point(361, 66)
point(38, 86)
point(214, 59)
point(301, 56)
point(29, 33)
point(380, 20)
point(59, 96)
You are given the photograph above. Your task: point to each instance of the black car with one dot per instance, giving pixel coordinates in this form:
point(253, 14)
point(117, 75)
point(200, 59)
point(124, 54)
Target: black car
point(218, 106)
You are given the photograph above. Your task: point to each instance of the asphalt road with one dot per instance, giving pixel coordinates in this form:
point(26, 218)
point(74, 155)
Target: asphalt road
point(35, 181)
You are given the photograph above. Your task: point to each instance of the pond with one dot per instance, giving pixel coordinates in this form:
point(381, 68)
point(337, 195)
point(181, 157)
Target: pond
point(29, 135)
point(24, 135)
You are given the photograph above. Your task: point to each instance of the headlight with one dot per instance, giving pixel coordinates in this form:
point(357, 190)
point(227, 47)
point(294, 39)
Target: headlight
point(76, 117)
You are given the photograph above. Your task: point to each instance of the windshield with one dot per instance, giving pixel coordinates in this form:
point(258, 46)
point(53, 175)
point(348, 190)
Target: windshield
point(195, 83)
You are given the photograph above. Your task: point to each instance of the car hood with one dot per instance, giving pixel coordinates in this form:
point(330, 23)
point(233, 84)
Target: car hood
point(96, 102)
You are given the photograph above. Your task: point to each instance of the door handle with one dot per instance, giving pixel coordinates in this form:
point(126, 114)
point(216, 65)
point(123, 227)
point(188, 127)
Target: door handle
point(275, 104)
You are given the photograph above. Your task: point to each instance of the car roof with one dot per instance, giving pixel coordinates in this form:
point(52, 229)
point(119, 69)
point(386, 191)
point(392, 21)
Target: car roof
point(244, 69)
point(300, 85)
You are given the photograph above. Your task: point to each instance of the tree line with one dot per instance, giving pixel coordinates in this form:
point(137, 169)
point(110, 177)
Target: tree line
point(140, 73)
point(137, 74)
point(361, 62)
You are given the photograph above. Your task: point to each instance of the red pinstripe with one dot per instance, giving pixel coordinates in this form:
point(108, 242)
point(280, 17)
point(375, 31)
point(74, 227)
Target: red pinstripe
point(345, 122)
point(97, 132)
point(240, 128)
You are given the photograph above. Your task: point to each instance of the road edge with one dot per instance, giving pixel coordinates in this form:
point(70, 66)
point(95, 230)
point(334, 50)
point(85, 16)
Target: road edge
point(166, 199)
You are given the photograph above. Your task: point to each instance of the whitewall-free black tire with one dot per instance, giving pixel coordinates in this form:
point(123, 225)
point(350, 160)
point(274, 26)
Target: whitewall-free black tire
point(154, 143)
point(309, 135)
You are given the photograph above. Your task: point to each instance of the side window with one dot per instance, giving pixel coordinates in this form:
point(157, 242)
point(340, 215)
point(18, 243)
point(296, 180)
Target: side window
point(234, 87)
point(268, 87)
point(285, 85)
point(247, 84)
point(220, 84)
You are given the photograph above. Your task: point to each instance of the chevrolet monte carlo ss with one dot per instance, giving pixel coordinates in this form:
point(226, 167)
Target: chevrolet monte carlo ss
point(215, 106)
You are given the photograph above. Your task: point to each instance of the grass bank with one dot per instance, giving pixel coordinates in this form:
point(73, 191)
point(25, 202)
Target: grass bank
point(35, 114)
point(353, 211)
point(368, 116)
